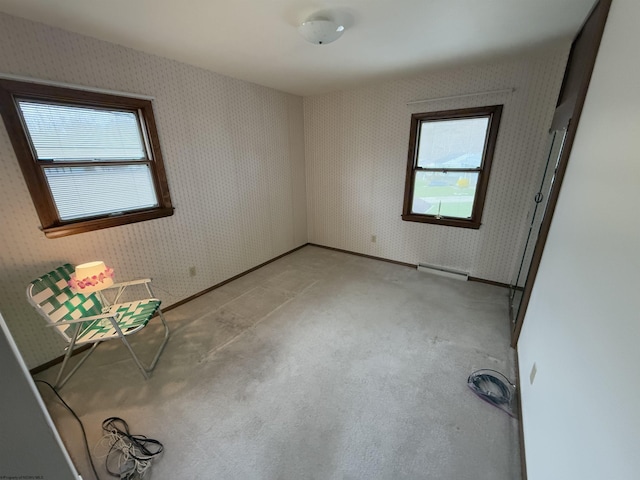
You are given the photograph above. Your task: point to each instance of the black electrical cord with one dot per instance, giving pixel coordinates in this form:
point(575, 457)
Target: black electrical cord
point(145, 448)
point(84, 434)
point(485, 384)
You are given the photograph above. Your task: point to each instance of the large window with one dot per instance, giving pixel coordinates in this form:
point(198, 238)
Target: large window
point(90, 160)
point(448, 167)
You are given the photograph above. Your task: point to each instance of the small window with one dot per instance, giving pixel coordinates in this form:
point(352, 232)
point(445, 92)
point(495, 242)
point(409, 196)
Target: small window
point(448, 165)
point(90, 160)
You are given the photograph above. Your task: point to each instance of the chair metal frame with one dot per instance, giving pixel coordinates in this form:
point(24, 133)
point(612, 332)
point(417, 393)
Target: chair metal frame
point(113, 317)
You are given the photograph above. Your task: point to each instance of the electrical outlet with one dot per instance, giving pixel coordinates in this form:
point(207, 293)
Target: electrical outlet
point(532, 375)
point(192, 271)
point(373, 239)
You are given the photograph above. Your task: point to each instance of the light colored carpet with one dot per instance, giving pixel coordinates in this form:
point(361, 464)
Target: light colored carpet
point(321, 365)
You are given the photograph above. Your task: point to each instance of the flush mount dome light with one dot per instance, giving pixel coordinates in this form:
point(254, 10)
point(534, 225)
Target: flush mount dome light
point(321, 31)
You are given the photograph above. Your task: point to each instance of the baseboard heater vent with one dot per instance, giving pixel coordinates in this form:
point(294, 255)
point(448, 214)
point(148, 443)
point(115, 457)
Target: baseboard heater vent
point(442, 271)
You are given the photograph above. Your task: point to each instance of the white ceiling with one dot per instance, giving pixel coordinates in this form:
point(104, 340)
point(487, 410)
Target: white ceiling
point(257, 40)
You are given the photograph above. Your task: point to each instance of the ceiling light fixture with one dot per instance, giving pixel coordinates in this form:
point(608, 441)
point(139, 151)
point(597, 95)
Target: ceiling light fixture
point(321, 31)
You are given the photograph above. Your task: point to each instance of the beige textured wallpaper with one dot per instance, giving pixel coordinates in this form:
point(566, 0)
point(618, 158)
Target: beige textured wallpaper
point(234, 154)
point(252, 175)
point(356, 153)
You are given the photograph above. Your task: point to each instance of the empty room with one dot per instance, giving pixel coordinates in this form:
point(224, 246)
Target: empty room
point(319, 240)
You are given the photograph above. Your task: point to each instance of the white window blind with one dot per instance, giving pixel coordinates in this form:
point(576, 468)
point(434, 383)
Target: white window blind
point(452, 143)
point(90, 191)
point(68, 138)
point(70, 133)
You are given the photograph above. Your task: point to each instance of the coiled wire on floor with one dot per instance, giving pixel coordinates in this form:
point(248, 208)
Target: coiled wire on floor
point(130, 454)
point(494, 388)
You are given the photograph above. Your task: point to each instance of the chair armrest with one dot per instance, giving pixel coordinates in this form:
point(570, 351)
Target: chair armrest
point(83, 319)
point(132, 282)
point(123, 285)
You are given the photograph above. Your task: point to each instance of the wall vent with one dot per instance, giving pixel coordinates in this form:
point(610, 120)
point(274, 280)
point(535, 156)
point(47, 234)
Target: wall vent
point(442, 271)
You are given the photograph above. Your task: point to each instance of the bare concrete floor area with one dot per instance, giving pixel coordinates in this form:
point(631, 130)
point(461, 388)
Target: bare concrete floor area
point(320, 365)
